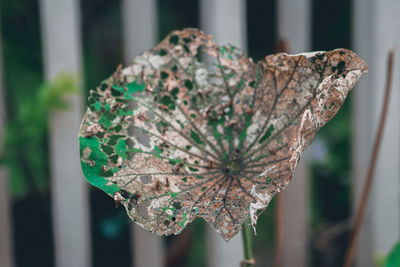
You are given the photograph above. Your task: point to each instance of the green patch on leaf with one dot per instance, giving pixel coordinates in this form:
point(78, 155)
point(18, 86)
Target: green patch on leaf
point(132, 88)
point(188, 84)
point(121, 148)
point(174, 92)
point(174, 39)
point(196, 137)
point(105, 121)
point(193, 169)
point(107, 149)
point(93, 165)
point(167, 101)
point(267, 134)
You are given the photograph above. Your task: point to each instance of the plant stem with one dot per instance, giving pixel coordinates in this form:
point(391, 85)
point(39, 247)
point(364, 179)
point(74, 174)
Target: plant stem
point(248, 253)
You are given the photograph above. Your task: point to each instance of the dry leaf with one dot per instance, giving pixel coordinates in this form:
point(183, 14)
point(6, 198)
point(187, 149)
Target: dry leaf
point(191, 129)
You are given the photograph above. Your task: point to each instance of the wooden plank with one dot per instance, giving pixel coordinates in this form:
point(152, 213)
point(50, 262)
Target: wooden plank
point(140, 34)
point(148, 248)
point(376, 30)
point(60, 23)
point(294, 26)
point(226, 21)
point(6, 244)
point(221, 253)
point(362, 142)
point(296, 218)
point(139, 27)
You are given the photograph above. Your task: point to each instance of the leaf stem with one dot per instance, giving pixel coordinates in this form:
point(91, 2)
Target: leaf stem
point(248, 253)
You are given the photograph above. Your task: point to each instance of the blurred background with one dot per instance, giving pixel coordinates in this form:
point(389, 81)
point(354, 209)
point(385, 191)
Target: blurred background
point(54, 51)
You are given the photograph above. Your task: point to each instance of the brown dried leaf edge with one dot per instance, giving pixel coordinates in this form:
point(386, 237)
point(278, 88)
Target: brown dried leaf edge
point(192, 129)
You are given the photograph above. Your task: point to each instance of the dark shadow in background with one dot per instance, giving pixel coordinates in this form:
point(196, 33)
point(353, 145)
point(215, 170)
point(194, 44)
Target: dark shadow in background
point(331, 181)
point(176, 15)
point(261, 28)
point(29, 180)
point(33, 235)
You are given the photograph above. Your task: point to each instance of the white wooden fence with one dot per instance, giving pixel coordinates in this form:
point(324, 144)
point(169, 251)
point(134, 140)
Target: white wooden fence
point(294, 26)
point(376, 29)
point(60, 24)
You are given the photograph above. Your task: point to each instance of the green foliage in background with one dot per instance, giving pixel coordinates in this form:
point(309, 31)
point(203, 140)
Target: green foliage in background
point(393, 260)
point(22, 76)
point(51, 96)
point(25, 151)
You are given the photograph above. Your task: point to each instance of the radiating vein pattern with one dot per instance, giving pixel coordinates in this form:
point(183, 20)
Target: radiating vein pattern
point(192, 129)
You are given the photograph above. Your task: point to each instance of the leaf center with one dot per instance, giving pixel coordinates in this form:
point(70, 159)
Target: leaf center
point(232, 167)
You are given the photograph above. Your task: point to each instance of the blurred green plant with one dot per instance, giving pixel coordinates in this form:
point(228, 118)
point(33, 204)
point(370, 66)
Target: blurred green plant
point(379, 260)
point(25, 152)
point(51, 96)
point(393, 259)
point(390, 260)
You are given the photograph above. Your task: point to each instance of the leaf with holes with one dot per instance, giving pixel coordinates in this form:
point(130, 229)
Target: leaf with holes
point(191, 129)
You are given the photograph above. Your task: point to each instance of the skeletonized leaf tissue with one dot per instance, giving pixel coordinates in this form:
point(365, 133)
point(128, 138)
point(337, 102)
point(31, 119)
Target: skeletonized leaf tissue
point(192, 129)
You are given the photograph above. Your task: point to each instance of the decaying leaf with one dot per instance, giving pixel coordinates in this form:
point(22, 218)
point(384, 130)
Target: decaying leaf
point(191, 129)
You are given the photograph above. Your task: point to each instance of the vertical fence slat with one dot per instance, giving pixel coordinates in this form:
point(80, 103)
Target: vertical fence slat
point(221, 253)
point(294, 26)
point(226, 21)
point(6, 255)
point(60, 23)
point(139, 27)
point(362, 122)
point(376, 30)
point(140, 33)
point(148, 248)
